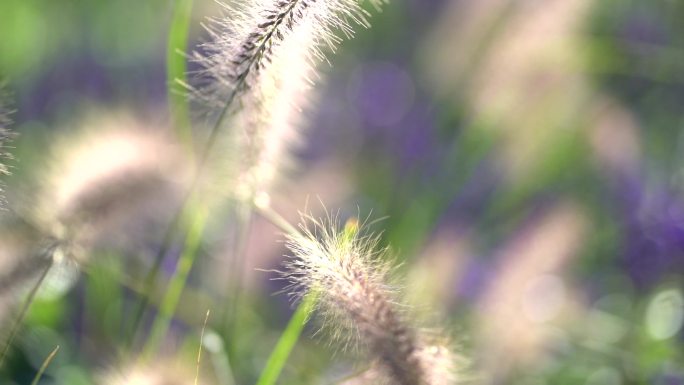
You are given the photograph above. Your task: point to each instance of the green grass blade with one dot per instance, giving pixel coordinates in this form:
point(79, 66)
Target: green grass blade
point(44, 366)
point(287, 341)
point(175, 289)
point(177, 70)
point(176, 74)
point(24, 310)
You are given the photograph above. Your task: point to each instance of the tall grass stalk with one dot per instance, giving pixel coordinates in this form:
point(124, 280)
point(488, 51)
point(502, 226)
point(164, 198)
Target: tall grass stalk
point(287, 341)
point(151, 278)
point(243, 222)
point(180, 115)
point(16, 325)
point(197, 221)
point(177, 69)
point(199, 350)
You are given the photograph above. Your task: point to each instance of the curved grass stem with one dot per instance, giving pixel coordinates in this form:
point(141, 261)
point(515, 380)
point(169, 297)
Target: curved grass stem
point(288, 340)
point(176, 70)
point(196, 223)
point(16, 326)
point(44, 366)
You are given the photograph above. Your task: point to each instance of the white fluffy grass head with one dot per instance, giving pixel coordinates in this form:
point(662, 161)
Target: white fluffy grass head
point(256, 77)
point(251, 34)
point(269, 121)
point(339, 265)
point(348, 272)
point(111, 170)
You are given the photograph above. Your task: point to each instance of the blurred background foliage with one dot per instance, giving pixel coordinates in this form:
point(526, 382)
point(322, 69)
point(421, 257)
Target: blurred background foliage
point(527, 156)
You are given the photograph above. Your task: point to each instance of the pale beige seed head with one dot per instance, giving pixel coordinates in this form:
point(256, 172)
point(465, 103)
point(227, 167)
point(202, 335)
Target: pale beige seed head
point(349, 274)
point(112, 169)
point(258, 68)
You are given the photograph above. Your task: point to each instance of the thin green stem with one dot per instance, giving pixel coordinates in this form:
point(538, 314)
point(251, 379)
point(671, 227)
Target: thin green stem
point(180, 113)
point(16, 326)
point(178, 40)
point(173, 293)
point(176, 71)
point(199, 351)
point(288, 340)
point(44, 366)
point(151, 278)
point(230, 319)
point(276, 219)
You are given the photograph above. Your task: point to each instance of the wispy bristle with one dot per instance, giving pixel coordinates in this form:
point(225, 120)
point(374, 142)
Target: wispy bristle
point(270, 118)
point(24, 253)
point(250, 36)
point(5, 136)
point(347, 272)
point(257, 71)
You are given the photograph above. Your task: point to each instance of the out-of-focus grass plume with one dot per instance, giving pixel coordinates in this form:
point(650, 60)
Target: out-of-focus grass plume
point(106, 175)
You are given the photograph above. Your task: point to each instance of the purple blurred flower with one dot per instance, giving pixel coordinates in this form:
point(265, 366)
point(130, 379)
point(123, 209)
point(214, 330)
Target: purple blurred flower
point(382, 93)
point(653, 228)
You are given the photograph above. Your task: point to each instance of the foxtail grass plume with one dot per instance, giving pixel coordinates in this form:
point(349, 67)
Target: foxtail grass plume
point(258, 70)
point(98, 180)
point(348, 273)
point(23, 255)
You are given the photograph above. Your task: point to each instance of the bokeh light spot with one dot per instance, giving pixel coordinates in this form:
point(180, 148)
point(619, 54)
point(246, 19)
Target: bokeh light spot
point(665, 314)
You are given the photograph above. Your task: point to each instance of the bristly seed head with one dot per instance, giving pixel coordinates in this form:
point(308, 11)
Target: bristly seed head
point(108, 174)
point(246, 41)
point(348, 273)
point(257, 71)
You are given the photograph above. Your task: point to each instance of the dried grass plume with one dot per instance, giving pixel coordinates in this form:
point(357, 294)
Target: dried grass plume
point(111, 171)
point(349, 273)
point(257, 71)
